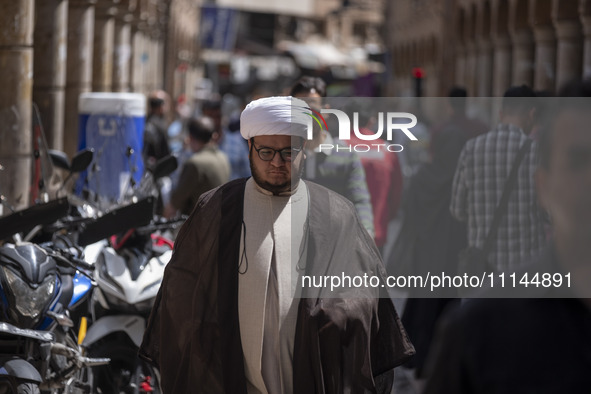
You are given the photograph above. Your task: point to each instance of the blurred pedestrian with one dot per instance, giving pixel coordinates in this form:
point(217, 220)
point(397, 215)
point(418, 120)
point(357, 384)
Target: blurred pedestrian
point(414, 154)
point(429, 241)
point(383, 175)
point(540, 344)
point(458, 119)
point(337, 169)
point(179, 141)
point(156, 128)
point(230, 142)
point(176, 130)
point(481, 178)
point(206, 169)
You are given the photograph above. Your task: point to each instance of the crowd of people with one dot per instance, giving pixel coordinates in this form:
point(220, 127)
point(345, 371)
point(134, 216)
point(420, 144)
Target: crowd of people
point(497, 198)
point(371, 180)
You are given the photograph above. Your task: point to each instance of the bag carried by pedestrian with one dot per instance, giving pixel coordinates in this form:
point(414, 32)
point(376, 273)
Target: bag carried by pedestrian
point(474, 260)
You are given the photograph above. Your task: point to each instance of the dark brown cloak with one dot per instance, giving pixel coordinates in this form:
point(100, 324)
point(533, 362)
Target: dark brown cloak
point(346, 344)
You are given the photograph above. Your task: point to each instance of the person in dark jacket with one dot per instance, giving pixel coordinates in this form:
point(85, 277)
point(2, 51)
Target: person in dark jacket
point(430, 240)
point(156, 128)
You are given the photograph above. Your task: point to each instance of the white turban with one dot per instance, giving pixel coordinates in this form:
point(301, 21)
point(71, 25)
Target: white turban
point(283, 115)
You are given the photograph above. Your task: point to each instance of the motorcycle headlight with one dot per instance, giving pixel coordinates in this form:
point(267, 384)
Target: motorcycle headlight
point(29, 302)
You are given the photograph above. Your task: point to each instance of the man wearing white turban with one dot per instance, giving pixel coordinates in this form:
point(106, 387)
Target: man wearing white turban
point(233, 314)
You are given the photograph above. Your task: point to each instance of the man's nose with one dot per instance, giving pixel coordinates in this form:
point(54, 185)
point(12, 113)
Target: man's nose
point(277, 161)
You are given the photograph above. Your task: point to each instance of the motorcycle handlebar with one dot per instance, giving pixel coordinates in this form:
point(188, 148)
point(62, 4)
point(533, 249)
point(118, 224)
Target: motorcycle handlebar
point(69, 259)
point(162, 224)
point(83, 264)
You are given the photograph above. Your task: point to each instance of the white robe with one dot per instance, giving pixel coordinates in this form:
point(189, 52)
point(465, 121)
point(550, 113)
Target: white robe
point(271, 248)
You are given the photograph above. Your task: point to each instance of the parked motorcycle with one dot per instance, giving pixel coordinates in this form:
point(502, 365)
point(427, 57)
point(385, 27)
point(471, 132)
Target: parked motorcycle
point(128, 272)
point(128, 276)
point(39, 350)
point(40, 286)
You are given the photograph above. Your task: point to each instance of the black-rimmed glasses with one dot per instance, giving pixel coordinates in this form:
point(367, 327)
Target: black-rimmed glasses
point(267, 154)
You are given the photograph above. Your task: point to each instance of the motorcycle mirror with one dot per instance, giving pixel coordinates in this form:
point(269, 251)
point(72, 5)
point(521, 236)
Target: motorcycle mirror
point(164, 167)
point(82, 160)
point(59, 159)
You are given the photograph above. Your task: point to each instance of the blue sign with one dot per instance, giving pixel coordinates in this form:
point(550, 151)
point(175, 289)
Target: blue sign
point(218, 27)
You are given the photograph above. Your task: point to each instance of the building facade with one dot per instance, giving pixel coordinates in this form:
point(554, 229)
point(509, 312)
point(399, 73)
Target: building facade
point(489, 45)
point(51, 51)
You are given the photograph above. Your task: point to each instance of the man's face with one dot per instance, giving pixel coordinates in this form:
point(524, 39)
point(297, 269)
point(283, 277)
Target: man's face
point(565, 187)
point(275, 175)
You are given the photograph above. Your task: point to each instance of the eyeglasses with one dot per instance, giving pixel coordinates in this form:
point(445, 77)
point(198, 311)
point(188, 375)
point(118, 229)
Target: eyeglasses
point(267, 154)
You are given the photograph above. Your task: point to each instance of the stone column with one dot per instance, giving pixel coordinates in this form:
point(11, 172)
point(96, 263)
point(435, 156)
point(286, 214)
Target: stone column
point(122, 53)
point(104, 38)
point(587, 47)
point(139, 50)
point(154, 64)
point(331, 30)
point(460, 74)
point(485, 59)
point(147, 67)
point(150, 65)
point(569, 58)
point(471, 67)
point(79, 66)
point(16, 79)
point(523, 57)
point(49, 67)
point(160, 64)
point(139, 62)
point(545, 55)
point(346, 29)
point(501, 64)
point(430, 82)
point(136, 52)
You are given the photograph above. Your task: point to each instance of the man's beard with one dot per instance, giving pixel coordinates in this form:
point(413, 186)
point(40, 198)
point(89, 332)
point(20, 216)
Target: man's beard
point(280, 188)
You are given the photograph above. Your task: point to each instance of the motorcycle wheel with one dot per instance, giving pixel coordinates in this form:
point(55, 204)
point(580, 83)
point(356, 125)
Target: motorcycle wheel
point(126, 373)
point(27, 388)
